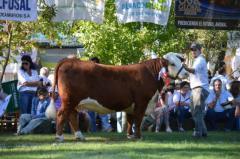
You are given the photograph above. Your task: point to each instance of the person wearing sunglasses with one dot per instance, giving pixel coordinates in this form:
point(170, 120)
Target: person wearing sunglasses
point(28, 82)
point(199, 85)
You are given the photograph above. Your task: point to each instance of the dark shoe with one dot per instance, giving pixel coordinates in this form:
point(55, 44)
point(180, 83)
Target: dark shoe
point(196, 135)
point(227, 130)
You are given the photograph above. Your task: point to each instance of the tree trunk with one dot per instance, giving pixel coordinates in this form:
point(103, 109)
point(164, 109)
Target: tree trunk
point(8, 55)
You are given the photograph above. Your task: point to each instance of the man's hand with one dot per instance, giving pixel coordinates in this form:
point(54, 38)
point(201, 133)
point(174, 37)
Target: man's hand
point(187, 68)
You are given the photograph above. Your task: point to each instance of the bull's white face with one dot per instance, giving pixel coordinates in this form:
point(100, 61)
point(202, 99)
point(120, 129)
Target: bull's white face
point(175, 65)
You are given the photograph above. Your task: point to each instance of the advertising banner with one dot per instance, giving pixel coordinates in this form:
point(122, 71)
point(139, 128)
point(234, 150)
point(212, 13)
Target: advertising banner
point(217, 14)
point(18, 10)
point(92, 10)
point(152, 11)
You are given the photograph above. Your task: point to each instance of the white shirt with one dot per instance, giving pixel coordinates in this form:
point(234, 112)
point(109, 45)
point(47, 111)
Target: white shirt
point(225, 81)
point(224, 97)
point(178, 97)
point(45, 80)
point(23, 77)
point(200, 76)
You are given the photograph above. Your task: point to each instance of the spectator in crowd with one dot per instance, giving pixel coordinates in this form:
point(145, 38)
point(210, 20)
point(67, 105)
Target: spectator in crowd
point(44, 73)
point(28, 122)
point(217, 99)
point(28, 82)
point(164, 106)
point(182, 102)
point(105, 122)
point(235, 91)
point(222, 75)
point(236, 64)
point(199, 85)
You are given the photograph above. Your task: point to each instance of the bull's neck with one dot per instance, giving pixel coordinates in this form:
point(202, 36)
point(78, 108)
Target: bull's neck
point(153, 66)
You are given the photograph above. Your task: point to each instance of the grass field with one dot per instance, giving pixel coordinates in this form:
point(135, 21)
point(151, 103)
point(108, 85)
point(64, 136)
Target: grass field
point(217, 145)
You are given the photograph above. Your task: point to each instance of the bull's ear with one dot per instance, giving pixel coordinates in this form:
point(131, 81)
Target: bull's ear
point(165, 57)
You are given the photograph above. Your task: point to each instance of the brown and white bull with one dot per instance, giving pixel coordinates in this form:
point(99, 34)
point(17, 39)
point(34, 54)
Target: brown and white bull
point(106, 89)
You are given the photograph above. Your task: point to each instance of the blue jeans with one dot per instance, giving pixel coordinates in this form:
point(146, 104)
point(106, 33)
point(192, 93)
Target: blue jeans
point(182, 114)
point(25, 101)
point(228, 115)
point(92, 121)
point(27, 124)
point(105, 121)
point(238, 123)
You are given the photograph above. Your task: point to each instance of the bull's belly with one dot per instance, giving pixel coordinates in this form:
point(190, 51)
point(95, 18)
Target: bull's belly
point(94, 105)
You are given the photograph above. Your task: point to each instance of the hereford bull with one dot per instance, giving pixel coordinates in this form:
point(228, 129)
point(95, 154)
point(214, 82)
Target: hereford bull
point(105, 89)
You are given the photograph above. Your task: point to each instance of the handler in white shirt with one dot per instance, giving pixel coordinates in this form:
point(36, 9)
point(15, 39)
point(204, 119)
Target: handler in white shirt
point(199, 85)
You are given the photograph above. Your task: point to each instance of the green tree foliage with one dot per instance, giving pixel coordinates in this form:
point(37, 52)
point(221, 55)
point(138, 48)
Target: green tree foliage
point(114, 43)
point(118, 43)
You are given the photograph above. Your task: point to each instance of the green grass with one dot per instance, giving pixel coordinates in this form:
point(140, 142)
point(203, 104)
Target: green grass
point(112, 145)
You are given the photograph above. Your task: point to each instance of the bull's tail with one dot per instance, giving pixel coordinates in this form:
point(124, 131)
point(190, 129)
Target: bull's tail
point(51, 111)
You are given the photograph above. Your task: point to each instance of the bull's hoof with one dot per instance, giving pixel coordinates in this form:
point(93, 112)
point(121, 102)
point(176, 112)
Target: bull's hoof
point(134, 137)
point(59, 138)
point(80, 139)
point(79, 136)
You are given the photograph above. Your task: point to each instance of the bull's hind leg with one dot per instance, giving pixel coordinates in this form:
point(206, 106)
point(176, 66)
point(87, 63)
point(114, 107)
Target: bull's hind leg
point(74, 123)
point(61, 118)
point(130, 125)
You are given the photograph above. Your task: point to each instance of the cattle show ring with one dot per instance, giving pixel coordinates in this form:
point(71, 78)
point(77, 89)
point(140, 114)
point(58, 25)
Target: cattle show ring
point(119, 79)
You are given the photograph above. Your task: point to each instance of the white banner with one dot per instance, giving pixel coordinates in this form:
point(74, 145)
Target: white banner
point(18, 10)
point(152, 11)
point(92, 10)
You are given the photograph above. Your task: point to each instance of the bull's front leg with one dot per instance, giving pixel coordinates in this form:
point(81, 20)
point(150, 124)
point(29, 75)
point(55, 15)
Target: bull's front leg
point(139, 112)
